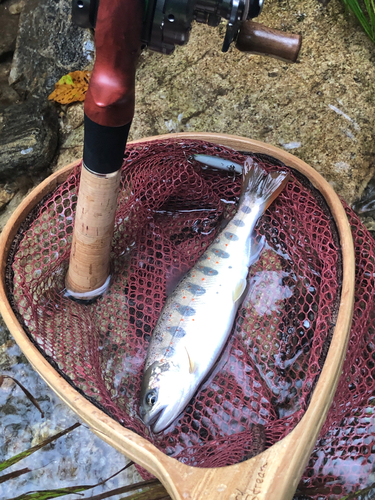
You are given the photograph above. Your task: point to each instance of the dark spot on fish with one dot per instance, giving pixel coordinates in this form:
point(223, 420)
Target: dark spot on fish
point(238, 222)
point(230, 236)
point(164, 367)
point(217, 240)
point(221, 253)
point(196, 289)
point(208, 271)
point(158, 336)
point(176, 331)
point(185, 310)
point(245, 209)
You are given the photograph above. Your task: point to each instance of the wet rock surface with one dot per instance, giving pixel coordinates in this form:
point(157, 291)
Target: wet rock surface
point(28, 138)
point(8, 28)
point(48, 47)
point(8, 95)
point(77, 458)
point(71, 135)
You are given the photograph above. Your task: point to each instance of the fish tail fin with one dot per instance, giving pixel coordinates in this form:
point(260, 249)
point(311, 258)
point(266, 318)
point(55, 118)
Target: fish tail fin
point(259, 187)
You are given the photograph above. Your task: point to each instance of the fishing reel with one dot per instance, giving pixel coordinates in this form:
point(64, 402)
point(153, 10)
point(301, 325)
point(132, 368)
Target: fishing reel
point(167, 23)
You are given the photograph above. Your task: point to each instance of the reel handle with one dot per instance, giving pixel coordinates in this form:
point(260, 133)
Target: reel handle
point(259, 39)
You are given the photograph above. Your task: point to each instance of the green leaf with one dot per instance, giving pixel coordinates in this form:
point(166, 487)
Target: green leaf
point(66, 80)
point(47, 494)
point(149, 493)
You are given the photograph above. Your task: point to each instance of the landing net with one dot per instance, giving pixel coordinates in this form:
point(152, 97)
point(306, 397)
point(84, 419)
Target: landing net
point(170, 209)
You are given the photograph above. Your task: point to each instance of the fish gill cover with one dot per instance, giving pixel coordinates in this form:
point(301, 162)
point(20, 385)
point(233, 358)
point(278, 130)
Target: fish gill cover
point(170, 209)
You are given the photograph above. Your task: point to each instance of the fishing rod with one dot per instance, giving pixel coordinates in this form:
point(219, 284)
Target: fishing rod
point(122, 28)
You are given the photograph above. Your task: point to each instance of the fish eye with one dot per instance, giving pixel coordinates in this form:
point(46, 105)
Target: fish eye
point(151, 398)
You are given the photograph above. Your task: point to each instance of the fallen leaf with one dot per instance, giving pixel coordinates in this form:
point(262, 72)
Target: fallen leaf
point(71, 87)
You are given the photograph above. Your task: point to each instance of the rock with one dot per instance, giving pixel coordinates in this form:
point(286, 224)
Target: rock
point(23, 186)
point(8, 95)
point(8, 30)
point(71, 119)
point(71, 135)
point(67, 156)
point(6, 195)
point(28, 138)
point(71, 148)
point(4, 333)
point(48, 47)
point(17, 6)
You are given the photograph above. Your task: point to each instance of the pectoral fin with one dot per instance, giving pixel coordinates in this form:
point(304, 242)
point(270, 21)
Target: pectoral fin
point(239, 290)
point(192, 365)
point(256, 248)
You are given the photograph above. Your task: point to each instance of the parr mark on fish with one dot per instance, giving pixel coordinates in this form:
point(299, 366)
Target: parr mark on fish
point(220, 253)
point(169, 352)
point(196, 289)
point(245, 209)
point(176, 331)
point(231, 236)
point(208, 271)
point(185, 310)
point(238, 222)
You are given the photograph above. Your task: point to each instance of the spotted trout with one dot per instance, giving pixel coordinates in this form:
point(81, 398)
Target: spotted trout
point(198, 316)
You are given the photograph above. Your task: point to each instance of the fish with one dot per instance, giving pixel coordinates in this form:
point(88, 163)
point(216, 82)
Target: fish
point(198, 316)
point(219, 163)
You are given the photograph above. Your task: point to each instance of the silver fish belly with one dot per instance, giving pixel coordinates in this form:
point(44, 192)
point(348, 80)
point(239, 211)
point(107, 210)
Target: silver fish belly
point(198, 316)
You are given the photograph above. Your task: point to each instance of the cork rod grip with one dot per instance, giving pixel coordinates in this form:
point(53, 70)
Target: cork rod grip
point(89, 264)
point(258, 39)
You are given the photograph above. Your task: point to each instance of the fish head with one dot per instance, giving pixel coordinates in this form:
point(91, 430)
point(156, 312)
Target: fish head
point(163, 395)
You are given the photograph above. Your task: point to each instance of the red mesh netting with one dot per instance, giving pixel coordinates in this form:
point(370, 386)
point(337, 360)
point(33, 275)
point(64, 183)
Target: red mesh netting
point(170, 208)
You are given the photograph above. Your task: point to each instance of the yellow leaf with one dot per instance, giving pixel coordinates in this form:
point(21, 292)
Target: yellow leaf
point(71, 87)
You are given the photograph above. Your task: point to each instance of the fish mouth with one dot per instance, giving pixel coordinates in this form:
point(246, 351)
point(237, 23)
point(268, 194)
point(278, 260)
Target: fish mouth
point(162, 420)
point(151, 421)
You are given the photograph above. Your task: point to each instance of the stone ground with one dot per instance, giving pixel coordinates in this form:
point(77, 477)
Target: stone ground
point(321, 109)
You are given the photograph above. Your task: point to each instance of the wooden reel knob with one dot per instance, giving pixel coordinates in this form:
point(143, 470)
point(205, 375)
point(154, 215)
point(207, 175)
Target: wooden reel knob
point(258, 39)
